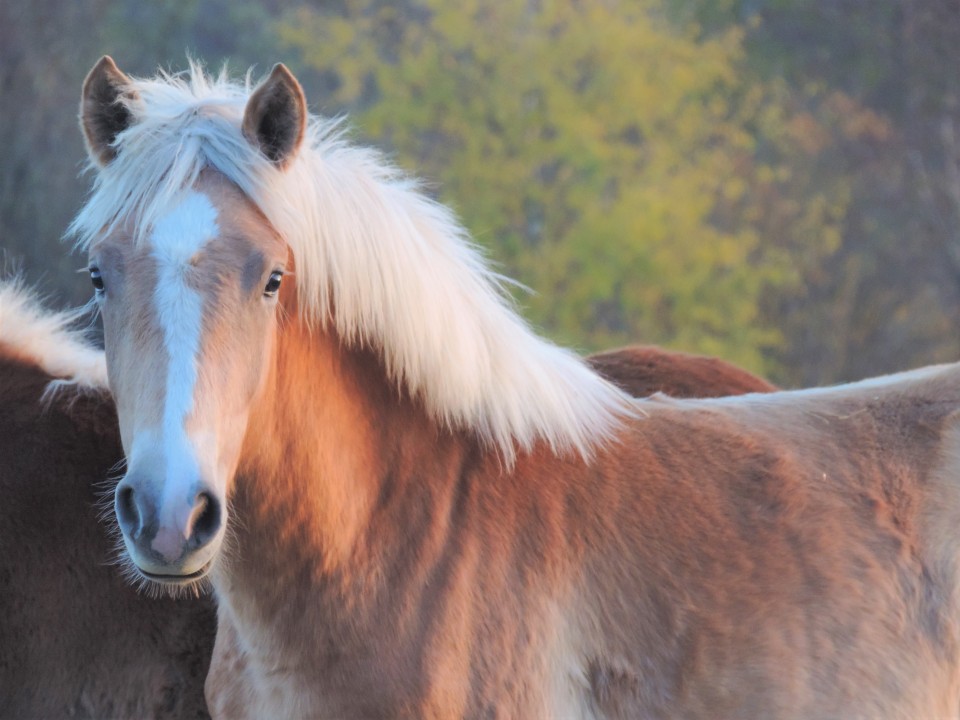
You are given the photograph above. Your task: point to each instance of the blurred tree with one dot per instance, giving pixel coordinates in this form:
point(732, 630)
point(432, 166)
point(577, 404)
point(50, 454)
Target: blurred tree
point(776, 181)
point(213, 31)
point(605, 153)
point(46, 48)
point(41, 67)
point(878, 81)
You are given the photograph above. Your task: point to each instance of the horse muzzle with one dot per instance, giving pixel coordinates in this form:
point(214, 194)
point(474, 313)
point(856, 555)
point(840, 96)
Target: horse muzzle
point(171, 537)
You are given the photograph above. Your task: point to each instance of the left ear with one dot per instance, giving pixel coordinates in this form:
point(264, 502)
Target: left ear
point(275, 119)
point(104, 109)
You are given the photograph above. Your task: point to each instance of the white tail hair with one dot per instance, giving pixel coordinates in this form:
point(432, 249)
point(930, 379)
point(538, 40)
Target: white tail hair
point(31, 332)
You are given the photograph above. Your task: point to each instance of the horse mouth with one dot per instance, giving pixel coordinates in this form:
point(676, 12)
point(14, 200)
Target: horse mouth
point(176, 579)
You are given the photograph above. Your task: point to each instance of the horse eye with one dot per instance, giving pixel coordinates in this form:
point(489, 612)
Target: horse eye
point(96, 279)
point(273, 284)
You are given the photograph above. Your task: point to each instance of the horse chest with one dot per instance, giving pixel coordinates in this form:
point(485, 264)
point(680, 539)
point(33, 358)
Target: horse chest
point(244, 682)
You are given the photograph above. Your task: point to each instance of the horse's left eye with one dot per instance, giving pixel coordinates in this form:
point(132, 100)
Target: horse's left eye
point(273, 284)
point(96, 279)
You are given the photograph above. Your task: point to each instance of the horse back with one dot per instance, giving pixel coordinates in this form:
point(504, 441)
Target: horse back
point(647, 369)
point(789, 555)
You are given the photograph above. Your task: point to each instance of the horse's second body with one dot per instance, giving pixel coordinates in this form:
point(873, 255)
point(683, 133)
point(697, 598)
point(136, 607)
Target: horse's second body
point(409, 505)
point(76, 641)
point(643, 370)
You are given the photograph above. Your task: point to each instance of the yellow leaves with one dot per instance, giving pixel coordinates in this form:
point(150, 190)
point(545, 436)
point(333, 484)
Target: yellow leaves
point(606, 156)
point(808, 133)
point(834, 116)
point(858, 122)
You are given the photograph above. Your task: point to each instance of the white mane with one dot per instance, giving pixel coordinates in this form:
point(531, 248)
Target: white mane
point(387, 265)
point(35, 334)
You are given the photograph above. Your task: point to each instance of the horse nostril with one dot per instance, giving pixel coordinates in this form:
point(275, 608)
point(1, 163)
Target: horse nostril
point(206, 519)
point(128, 514)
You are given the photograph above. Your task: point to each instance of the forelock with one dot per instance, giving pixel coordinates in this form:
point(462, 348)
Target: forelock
point(182, 124)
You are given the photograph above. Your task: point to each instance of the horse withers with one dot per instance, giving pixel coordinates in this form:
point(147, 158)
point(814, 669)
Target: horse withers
point(410, 505)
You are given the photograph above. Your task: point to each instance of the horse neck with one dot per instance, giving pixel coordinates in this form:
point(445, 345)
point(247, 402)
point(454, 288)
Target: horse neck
point(362, 525)
point(338, 465)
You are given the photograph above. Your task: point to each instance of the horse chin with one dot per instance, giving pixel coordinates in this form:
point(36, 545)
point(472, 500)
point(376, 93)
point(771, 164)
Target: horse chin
point(193, 584)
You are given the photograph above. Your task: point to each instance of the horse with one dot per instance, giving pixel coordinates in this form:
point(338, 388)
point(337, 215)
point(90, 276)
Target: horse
point(409, 504)
point(77, 641)
point(643, 370)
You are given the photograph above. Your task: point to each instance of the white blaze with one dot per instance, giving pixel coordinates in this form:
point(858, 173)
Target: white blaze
point(176, 239)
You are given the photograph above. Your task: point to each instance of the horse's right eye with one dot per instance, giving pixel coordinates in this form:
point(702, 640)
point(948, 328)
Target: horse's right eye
point(273, 284)
point(96, 279)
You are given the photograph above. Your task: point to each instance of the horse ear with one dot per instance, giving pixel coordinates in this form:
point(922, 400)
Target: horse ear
point(275, 119)
point(103, 112)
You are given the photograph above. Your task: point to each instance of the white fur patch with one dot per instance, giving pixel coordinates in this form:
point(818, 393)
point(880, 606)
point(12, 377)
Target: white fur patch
point(44, 337)
point(176, 238)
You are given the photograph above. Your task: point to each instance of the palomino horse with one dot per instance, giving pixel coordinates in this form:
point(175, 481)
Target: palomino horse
point(410, 505)
point(75, 641)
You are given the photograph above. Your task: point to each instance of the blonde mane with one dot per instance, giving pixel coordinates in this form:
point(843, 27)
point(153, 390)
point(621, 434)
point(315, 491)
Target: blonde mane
point(386, 265)
point(44, 338)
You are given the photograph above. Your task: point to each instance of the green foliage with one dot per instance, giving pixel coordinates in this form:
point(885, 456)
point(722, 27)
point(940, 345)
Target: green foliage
point(215, 31)
point(606, 156)
point(874, 99)
point(773, 181)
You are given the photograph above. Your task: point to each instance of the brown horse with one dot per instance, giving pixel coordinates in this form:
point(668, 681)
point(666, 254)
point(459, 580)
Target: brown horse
point(409, 505)
point(75, 641)
point(643, 370)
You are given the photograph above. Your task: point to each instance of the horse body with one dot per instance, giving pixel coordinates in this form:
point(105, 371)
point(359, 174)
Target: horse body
point(746, 575)
point(409, 505)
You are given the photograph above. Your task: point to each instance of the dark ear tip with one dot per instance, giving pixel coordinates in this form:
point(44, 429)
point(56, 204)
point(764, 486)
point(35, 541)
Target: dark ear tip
point(281, 70)
point(106, 62)
point(281, 73)
point(104, 69)
point(102, 117)
point(275, 119)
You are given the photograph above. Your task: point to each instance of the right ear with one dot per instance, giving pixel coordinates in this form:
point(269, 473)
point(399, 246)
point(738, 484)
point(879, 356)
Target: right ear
point(275, 119)
point(104, 112)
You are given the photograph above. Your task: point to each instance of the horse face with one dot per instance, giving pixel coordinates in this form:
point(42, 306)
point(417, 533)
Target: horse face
point(189, 305)
point(189, 315)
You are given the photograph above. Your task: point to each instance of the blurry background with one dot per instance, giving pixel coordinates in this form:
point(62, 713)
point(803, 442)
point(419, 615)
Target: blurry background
point(776, 182)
